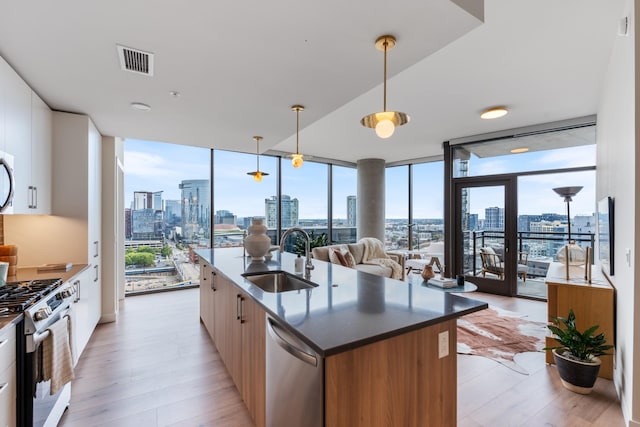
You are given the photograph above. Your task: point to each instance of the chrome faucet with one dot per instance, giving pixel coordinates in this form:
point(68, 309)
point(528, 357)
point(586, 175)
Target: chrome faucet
point(308, 266)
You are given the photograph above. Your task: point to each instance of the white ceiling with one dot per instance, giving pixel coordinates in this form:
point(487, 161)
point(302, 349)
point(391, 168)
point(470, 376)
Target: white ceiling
point(239, 66)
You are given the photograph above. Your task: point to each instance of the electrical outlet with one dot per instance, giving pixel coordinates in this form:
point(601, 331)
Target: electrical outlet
point(443, 344)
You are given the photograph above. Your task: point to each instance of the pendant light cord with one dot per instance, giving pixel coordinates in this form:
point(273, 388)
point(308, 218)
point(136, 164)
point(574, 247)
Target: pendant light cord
point(386, 43)
point(258, 155)
point(297, 128)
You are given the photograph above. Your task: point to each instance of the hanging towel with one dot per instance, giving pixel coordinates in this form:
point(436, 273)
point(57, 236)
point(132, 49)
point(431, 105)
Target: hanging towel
point(57, 361)
point(72, 342)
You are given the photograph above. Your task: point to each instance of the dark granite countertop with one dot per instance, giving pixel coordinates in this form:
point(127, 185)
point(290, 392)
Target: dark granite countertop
point(348, 308)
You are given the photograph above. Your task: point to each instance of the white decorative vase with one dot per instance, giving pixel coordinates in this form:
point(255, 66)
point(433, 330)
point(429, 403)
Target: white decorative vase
point(257, 243)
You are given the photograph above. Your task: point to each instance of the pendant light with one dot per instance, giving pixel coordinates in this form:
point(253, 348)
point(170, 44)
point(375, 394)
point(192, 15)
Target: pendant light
point(297, 159)
point(385, 122)
point(257, 174)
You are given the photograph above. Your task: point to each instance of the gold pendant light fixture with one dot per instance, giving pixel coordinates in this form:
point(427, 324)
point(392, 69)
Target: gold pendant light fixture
point(385, 122)
point(297, 159)
point(257, 174)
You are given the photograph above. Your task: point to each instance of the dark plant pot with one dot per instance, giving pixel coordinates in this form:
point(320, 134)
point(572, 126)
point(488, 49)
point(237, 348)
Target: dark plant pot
point(576, 375)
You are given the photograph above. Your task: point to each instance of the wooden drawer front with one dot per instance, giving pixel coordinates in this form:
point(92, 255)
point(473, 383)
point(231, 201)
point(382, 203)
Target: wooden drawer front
point(8, 396)
point(7, 348)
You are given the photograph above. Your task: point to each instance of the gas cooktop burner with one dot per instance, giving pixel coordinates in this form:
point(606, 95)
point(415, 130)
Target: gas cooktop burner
point(15, 297)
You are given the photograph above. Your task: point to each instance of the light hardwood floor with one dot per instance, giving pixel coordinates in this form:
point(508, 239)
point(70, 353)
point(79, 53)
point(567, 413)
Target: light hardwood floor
point(157, 367)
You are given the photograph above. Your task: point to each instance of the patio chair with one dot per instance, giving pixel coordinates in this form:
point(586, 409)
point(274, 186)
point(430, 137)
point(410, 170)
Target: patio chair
point(491, 263)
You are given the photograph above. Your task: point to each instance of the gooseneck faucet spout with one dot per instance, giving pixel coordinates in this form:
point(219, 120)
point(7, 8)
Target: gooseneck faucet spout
point(308, 266)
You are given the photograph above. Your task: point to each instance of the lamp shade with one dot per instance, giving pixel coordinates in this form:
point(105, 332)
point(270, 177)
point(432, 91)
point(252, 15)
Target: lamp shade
point(567, 192)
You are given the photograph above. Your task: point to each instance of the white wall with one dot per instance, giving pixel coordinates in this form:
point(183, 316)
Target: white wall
point(617, 176)
point(113, 275)
point(43, 239)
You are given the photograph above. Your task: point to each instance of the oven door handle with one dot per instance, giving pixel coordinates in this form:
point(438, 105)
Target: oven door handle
point(34, 340)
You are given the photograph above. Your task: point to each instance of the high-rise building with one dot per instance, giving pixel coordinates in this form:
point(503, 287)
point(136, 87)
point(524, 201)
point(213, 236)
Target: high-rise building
point(127, 223)
point(494, 218)
point(225, 217)
point(172, 212)
point(352, 212)
point(157, 201)
point(196, 209)
point(288, 211)
point(142, 200)
point(146, 224)
point(473, 222)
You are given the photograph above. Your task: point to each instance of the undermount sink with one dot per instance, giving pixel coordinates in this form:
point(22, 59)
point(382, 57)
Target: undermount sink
point(278, 281)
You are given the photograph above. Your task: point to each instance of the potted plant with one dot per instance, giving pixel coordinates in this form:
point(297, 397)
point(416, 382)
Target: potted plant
point(577, 356)
point(314, 242)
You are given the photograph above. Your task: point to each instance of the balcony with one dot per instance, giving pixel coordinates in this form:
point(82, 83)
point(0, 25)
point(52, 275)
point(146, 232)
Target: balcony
point(541, 249)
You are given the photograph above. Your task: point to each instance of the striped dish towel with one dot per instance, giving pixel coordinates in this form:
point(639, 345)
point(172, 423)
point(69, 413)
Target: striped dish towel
point(57, 360)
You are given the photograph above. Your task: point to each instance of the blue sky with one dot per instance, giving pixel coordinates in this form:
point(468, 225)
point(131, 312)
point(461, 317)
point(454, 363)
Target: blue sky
point(152, 166)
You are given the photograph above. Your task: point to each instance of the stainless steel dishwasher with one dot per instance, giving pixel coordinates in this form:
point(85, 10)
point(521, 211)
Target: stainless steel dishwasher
point(295, 391)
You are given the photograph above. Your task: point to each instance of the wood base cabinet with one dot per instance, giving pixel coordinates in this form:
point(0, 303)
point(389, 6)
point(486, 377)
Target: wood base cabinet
point(207, 289)
point(400, 381)
point(592, 303)
point(236, 325)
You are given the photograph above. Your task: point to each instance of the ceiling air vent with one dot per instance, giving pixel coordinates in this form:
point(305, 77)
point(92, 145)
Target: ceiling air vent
point(136, 61)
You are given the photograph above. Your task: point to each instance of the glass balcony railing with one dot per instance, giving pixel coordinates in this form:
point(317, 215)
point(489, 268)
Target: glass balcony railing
point(541, 248)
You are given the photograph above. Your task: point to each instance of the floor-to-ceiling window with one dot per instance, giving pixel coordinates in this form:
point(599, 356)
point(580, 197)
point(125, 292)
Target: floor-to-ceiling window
point(428, 208)
point(396, 230)
point(305, 199)
point(168, 212)
point(239, 197)
point(344, 204)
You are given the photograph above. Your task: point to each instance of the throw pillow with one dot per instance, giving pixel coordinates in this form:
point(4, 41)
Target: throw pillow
point(351, 261)
point(336, 257)
point(487, 250)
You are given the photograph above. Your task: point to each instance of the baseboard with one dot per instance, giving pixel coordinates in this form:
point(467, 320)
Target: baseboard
point(108, 318)
point(634, 423)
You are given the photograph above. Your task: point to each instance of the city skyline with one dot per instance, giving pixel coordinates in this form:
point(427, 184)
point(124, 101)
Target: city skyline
point(155, 166)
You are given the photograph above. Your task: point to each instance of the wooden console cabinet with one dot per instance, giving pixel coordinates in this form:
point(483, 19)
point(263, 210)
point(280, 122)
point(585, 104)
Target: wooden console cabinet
point(592, 303)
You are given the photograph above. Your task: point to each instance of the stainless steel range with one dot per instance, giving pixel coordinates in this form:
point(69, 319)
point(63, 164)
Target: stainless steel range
point(43, 303)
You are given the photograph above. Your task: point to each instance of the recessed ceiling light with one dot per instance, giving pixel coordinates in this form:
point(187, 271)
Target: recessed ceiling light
point(174, 93)
point(519, 150)
point(494, 113)
point(140, 106)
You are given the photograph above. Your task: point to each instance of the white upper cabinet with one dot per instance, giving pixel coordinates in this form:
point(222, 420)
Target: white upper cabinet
point(40, 156)
point(17, 119)
point(26, 135)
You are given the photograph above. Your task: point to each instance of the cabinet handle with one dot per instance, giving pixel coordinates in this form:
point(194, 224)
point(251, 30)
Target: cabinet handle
point(237, 307)
point(2, 343)
point(95, 255)
point(31, 197)
point(76, 284)
point(35, 198)
point(3, 387)
point(240, 299)
point(95, 268)
point(213, 281)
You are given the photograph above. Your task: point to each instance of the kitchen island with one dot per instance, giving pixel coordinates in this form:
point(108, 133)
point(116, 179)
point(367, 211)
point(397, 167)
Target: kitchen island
point(388, 347)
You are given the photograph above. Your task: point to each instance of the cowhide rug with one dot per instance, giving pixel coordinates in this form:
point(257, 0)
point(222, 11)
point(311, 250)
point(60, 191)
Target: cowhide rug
point(499, 335)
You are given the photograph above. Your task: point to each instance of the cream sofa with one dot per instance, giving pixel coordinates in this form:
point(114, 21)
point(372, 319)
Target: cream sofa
point(357, 251)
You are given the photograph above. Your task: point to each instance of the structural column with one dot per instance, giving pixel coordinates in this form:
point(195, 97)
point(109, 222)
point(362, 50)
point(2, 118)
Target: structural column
point(371, 191)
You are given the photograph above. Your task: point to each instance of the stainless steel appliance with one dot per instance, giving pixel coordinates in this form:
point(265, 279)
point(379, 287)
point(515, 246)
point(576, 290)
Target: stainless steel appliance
point(7, 184)
point(43, 302)
point(294, 383)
